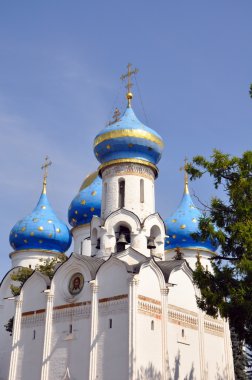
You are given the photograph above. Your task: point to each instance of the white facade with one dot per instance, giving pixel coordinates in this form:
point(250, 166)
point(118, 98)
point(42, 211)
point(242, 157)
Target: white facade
point(131, 315)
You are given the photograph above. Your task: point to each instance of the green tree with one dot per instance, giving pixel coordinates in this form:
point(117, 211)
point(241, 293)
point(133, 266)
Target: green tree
point(19, 276)
point(229, 289)
point(239, 356)
point(46, 266)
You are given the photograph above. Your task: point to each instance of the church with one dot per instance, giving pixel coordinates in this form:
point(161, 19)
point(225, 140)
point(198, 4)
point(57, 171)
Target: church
point(123, 305)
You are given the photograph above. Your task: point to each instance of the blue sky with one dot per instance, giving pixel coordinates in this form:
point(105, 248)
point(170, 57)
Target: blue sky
point(60, 64)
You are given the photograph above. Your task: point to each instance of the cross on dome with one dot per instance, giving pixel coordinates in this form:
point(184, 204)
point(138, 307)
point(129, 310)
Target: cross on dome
point(186, 190)
point(116, 117)
point(44, 167)
point(128, 75)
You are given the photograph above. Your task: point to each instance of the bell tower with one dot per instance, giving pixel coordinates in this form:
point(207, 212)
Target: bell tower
point(128, 152)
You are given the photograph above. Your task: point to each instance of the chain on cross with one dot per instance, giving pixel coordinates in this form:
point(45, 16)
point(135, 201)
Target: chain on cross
point(44, 167)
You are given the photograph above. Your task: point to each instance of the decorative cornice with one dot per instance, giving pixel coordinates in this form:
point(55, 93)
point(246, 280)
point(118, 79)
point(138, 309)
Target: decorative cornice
point(129, 160)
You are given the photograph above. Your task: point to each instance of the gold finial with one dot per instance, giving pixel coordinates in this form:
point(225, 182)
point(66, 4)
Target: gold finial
point(45, 168)
point(128, 75)
point(116, 117)
point(186, 190)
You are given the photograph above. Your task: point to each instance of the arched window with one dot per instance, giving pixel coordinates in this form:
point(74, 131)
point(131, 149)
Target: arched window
point(141, 191)
point(183, 333)
point(121, 193)
point(70, 329)
point(152, 325)
point(110, 323)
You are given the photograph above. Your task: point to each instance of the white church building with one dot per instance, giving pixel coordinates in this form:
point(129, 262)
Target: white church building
point(123, 305)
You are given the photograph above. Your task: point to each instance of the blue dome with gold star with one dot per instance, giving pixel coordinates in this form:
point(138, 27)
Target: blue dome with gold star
point(41, 230)
point(87, 202)
point(184, 222)
point(126, 139)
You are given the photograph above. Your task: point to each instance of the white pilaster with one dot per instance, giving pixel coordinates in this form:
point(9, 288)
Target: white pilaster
point(133, 284)
point(228, 352)
point(201, 332)
point(47, 338)
point(16, 338)
point(164, 326)
point(94, 327)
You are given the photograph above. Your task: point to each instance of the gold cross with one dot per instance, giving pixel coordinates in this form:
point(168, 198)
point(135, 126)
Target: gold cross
point(185, 175)
point(198, 257)
point(116, 117)
point(45, 168)
point(128, 75)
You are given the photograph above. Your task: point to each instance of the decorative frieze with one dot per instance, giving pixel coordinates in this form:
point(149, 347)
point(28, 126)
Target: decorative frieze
point(128, 169)
point(149, 306)
point(212, 326)
point(76, 311)
point(115, 305)
point(183, 317)
point(190, 319)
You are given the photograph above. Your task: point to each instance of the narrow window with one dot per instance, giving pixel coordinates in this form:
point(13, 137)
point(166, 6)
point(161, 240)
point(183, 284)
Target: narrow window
point(183, 333)
point(81, 247)
point(29, 265)
point(105, 195)
point(34, 334)
point(70, 329)
point(141, 190)
point(152, 325)
point(110, 323)
point(121, 195)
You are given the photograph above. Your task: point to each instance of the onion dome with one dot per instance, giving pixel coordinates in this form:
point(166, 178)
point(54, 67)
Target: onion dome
point(126, 139)
point(41, 230)
point(184, 222)
point(87, 202)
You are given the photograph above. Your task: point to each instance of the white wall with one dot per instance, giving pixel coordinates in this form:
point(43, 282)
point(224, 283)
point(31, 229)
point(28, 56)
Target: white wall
point(7, 311)
point(149, 342)
point(33, 322)
point(113, 343)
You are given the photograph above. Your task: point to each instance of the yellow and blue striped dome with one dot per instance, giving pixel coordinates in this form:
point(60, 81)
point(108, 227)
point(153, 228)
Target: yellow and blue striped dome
point(184, 222)
point(41, 230)
point(128, 140)
point(87, 202)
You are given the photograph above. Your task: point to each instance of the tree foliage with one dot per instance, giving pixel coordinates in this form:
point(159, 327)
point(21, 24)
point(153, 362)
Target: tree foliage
point(229, 289)
point(46, 267)
point(19, 276)
point(240, 357)
point(9, 326)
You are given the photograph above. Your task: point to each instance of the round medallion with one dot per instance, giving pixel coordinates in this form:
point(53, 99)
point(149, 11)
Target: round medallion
point(76, 284)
